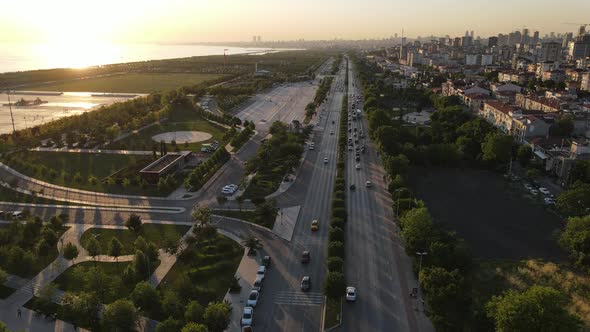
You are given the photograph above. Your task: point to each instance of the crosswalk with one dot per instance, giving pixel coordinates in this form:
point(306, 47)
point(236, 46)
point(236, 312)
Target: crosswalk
point(309, 241)
point(299, 298)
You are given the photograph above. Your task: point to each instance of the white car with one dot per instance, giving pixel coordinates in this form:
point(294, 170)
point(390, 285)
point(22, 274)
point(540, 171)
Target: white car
point(549, 201)
point(331, 132)
point(257, 284)
point(534, 192)
point(247, 316)
point(544, 191)
point(350, 294)
point(325, 160)
point(527, 186)
point(368, 184)
point(261, 272)
point(358, 166)
point(253, 298)
point(312, 146)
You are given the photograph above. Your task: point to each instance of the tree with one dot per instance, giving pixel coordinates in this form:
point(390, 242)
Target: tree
point(575, 239)
point(447, 296)
point(93, 247)
point(217, 316)
point(417, 229)
point(83, 308)
point(537, 309)
point(70, 251)
point(575, 201)
point(133, 223)
point(45, 295)
point(3, 328)
point(202, 216)
point(524, 155)
point(194, 312)
point(336, 249)
point(115, 248)
point(146, 297)
point(252, 244)
point(121, 314)
point(266, 213)
point(334, 284)
point(169, 325)
point(336, 234)
point(171, 302)
point(194, 327)
point(497, 148)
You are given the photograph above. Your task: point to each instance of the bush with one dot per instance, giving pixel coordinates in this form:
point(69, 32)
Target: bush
point(334, 285)
point(336, 234)
point(335, 264)
point(337, 222)
point(339, 213)
point(337, 203)
point(336, 249)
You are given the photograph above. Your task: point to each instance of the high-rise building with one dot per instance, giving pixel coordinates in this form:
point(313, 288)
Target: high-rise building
point(580, 47)
point(550, 51)
point(487, 59)
point(568, 37)
point(535, 38)
point(253, 39)
point(582, 30)
point(525, 36)
point(492, 41)
point(395, 35)
point(471, 34)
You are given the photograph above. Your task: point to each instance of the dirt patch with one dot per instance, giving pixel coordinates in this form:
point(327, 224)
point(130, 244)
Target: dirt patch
point(495, 219)
point(182, 137)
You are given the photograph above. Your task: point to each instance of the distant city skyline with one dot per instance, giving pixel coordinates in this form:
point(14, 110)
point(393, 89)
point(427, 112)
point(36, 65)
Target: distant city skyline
point(184, 21)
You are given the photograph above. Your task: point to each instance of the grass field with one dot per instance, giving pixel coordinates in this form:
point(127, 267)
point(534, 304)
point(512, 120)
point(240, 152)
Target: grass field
point(247, 215)
point(333, 313)
point(494, 277)
point(495, 220)
point(61, 168)
point(133, 82)
point(208, 266)
point(156, 233)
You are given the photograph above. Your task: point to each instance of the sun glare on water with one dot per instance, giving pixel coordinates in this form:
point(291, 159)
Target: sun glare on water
point(78, 54)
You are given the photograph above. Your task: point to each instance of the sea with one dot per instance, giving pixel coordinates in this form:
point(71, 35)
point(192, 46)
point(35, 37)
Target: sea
point(21, 56)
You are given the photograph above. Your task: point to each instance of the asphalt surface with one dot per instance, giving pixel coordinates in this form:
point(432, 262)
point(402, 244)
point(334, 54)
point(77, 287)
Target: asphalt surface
point(283, 306)
point(375, 260)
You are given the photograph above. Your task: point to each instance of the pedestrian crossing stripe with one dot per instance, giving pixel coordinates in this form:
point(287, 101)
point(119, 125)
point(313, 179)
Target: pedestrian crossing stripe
point(299, 298)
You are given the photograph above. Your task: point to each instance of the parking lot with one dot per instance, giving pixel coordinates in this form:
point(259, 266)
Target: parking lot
point(498, 218)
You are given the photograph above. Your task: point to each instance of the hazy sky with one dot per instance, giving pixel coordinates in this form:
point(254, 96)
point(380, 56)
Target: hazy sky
point(69, 21)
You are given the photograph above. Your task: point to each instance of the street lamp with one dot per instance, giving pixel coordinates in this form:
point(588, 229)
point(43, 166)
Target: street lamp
point(421, 254)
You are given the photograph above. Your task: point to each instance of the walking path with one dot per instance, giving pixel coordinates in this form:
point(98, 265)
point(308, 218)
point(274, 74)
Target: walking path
point(286, 221)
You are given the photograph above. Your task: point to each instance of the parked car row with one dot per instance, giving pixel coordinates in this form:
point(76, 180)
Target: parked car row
point(247, 319)
point(229, 189)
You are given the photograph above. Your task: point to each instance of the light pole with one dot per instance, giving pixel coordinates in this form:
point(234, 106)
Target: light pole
point(421, 254)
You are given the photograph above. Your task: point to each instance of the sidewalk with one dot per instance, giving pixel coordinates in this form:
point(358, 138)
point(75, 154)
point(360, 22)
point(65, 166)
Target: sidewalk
point(286, 221)
point(124, 152)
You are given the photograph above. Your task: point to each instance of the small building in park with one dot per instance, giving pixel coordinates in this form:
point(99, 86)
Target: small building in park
point(167, 164)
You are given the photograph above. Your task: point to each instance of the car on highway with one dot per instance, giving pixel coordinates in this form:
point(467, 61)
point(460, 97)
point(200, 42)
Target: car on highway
point(350, 294)
point(261, 273)
point(368, 184)
point(358, 166)
point(257, 284)
point(305, 257)
point(352, 187)
point(266, 261)
point(315, 225)
point(331, 132)
point(357, 159)
point(305, 283)
point(333, 122)
point(311, 146)
point(229, 189)
point(247, 316)
point(350, 148)
point(544, 191)
point(325, 160)
point(253, 298)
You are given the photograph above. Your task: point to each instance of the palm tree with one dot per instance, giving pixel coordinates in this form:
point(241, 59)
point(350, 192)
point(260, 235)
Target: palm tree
point(252, 244)
point(202, 216)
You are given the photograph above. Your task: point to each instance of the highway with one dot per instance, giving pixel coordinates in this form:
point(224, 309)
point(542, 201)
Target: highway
point(284, 307)
point(376, 263)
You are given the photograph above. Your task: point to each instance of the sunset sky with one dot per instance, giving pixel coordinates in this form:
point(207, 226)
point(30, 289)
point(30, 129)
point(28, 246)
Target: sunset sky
point(69, 21)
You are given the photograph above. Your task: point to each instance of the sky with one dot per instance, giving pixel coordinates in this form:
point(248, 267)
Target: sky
point(184, 21)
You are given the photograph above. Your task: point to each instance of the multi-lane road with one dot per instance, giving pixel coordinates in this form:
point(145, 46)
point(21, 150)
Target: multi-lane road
point(284, 307)
point(376, 263)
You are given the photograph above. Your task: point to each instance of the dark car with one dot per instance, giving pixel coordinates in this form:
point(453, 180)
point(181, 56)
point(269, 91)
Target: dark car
point(266, 261)
point(358, 158)
point(305, 257)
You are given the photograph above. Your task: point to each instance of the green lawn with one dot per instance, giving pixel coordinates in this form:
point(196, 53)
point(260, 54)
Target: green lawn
point(143, 139)
point(133, 82)
point(156, 233)
point(205, 270)
point(6, 291)
point(62, 168)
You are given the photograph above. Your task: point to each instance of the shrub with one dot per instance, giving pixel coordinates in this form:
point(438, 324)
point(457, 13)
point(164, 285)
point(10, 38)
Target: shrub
point(336, 249)
point(335, 264)
point(334, 285)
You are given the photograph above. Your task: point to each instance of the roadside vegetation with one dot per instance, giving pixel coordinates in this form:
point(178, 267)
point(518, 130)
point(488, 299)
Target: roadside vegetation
point(320, 96)
point(264, 215)
point(202, 173)
point(28, 247)
point(335, 282)
point(276, 157)
point(461, 292)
